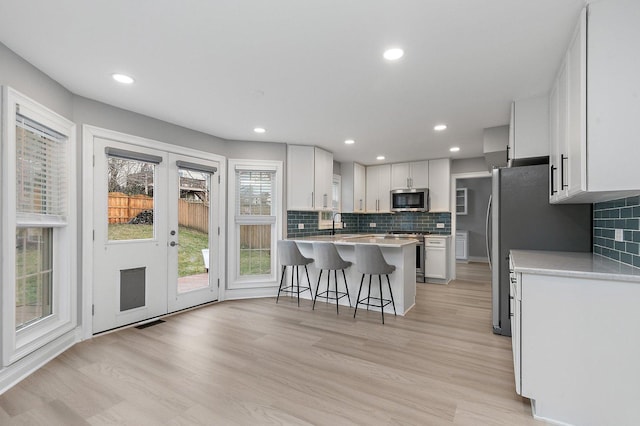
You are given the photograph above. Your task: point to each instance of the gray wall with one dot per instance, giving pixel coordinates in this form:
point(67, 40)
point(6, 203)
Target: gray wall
point(478, 191)
point(27, 79)
point(468, 165)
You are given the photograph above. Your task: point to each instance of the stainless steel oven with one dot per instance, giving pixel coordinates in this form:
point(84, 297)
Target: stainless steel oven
point(419, 237)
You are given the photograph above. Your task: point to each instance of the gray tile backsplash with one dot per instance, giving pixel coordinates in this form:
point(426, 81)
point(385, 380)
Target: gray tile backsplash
point(361, 223)
point(622, 214)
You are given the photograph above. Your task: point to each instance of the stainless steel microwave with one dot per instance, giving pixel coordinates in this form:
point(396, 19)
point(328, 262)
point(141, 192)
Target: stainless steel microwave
point(410, 200)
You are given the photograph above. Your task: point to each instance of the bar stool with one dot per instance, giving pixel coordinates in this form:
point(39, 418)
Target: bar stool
point(327, 257)
point(370, 261)
point(290, 255)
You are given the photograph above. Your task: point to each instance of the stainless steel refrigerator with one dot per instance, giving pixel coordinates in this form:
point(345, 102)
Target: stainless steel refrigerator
point(520, 217)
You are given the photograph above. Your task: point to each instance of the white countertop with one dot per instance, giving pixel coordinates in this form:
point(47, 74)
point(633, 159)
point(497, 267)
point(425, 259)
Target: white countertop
point(572, 264)
point(381, 240)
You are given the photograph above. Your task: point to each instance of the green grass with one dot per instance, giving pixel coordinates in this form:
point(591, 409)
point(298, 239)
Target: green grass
point(190, 261)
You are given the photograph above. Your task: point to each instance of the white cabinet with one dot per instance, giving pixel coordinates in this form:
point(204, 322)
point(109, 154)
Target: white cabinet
point(594, 108)
point(574, 328)
point(378, 188)
point(515, 311)
point(461, 201)
point(462, 245)
point(529, 128)
point(309, 178)
point(353, 187)
point(439, 185)
point(436, 263)
point(323, 179)
point(410, 175)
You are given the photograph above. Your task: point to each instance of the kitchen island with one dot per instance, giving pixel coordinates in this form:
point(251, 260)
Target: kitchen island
point(400, 252)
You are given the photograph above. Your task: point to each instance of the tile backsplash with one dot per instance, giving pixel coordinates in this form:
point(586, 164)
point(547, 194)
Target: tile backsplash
point(361, 223)
point(624, 215)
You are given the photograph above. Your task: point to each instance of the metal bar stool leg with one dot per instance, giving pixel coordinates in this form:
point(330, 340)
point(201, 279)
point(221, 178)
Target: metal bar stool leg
point(328, 278)
point(369, 293)
point(358, 298)
point(306, 271)
point(381, 304)
point(335, 278)
point(298, 281)
point(317, 287)
point(391, 293)
point(346, 286)
point(284, 269)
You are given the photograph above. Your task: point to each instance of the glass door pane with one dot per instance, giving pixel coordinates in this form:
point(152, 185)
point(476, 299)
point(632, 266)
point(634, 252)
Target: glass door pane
point(193, 229)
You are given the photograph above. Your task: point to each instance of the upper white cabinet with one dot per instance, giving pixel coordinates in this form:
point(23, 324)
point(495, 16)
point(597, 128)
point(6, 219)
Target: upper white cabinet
point(353, 187)
point(378, 189)
point(439, 185)
point(309, 178)
point(529, 128)
point(594, 106)
point(410, 175)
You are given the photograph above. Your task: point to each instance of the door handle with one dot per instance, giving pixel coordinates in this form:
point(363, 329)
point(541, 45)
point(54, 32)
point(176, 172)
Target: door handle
point(173, 244)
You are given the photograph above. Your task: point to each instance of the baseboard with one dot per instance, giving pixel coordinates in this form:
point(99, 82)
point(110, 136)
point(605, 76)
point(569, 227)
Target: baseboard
point(24, 367)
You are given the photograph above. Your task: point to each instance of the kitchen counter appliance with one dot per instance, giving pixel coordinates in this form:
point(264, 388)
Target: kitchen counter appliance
point(410, 200)
point(420, 253)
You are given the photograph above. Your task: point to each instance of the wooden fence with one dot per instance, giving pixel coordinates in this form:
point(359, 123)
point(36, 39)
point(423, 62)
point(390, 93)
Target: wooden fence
point(123, 207)
point(193, 215)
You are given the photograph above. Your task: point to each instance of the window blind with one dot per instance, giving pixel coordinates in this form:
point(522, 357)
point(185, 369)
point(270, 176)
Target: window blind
point(41, 169)
point(255, 192)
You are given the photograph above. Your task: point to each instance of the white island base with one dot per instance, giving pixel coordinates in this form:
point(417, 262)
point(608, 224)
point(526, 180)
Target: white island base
point(398, 252)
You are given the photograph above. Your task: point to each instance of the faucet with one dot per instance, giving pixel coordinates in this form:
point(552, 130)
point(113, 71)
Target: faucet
point(333, 222)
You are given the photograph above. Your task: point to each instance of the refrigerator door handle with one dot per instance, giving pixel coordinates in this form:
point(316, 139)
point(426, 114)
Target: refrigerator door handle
point(487, 231)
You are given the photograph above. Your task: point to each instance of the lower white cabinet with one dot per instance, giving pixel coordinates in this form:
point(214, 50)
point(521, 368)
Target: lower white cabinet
point(436, 263)
point(575, 324)
point(462, 245)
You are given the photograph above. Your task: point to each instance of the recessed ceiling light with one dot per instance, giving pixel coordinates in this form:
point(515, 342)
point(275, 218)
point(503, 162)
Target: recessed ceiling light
point(393, 54)
point(121, 78)
point(380, 157)
point(439, 127)
point(259, 130)
point(454, 149)
point(349, 141)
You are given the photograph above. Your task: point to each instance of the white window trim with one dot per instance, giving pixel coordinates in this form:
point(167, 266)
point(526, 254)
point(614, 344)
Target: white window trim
point(234, 281)
point(16, 345)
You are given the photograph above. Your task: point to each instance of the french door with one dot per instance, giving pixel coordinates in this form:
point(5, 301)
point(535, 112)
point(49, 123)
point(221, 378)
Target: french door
point(155, 236)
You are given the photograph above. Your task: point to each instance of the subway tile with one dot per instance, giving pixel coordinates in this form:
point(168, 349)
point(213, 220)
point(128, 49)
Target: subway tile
point(632, 248)
point(631, 224)
point(628, 235)
point(636, 261)
point(633, 201)
point(620, 245)
point(626, 212)
point(626, 258)
point(636, 236)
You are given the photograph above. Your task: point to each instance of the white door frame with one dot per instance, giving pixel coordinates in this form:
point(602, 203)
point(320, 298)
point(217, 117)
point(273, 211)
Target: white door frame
point(454, 182)
point(88, 134)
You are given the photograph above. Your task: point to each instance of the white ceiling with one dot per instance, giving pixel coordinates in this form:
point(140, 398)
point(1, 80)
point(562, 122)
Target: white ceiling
point(309, 71)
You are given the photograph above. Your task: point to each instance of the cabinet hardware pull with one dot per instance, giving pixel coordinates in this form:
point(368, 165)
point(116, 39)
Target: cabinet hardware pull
point(508, 148)
point(313, 200)
point(562, 184)
point(553, 185)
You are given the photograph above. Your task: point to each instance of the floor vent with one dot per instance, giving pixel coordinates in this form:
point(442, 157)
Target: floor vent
point(149, 324)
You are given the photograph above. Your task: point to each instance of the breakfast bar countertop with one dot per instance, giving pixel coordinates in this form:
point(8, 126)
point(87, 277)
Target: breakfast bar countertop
point(381, 240)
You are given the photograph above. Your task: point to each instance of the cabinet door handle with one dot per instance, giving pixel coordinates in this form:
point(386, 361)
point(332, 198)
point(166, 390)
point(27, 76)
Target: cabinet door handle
point(313, 200)
point(508, 148)
point(553, 185)
point(562, 184)
point(324, 200)
point(360, 204)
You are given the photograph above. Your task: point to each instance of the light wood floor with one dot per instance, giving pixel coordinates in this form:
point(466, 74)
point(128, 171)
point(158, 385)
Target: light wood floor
point(254, 362)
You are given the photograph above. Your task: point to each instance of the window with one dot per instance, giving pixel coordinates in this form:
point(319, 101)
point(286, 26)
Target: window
point(256, 211)
point(325, 218)
point(38, 277)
